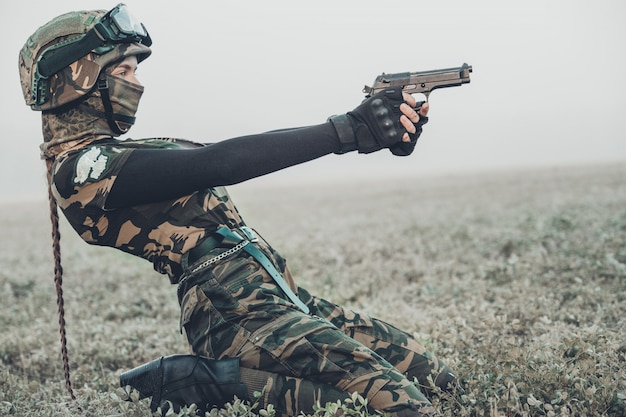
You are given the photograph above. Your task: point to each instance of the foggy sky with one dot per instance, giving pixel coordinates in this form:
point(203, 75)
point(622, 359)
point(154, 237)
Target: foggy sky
point(548, 87)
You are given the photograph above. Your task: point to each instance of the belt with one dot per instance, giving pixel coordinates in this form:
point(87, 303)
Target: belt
point(207, 245)
point(238, 242)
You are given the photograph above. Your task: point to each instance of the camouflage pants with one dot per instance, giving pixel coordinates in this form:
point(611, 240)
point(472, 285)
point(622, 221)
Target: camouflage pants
point(236, 310)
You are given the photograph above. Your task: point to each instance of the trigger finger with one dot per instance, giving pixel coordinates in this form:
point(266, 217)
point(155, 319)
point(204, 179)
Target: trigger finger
point(424, 109)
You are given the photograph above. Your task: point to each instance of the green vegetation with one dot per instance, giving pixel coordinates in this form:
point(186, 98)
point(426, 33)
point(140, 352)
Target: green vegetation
point(517, 280)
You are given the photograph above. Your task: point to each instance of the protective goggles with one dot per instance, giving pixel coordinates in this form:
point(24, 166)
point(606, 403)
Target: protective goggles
point(117, 26)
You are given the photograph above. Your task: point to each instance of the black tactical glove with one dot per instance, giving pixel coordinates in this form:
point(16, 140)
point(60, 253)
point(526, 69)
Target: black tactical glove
point(406, 148)
point(374, 125)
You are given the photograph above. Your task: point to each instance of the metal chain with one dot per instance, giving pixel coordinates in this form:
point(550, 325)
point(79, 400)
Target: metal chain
point(219, 257)
point(212, 260)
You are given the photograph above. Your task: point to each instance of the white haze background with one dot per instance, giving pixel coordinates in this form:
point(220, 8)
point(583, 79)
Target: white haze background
point(548, 88)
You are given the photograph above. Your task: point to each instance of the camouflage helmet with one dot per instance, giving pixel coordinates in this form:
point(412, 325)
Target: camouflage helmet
point(62, 60)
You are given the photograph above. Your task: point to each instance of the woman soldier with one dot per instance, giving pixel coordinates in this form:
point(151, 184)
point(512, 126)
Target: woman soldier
point(163, 200)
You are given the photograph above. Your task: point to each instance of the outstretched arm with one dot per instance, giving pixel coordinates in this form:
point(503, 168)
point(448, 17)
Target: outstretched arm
point(151, 175)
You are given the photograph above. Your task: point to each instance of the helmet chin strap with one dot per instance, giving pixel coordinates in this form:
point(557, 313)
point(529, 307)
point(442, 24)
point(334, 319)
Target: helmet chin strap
point(113, 119)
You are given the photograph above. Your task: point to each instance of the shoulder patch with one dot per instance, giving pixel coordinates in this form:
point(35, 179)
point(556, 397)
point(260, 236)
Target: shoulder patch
point(90, 165)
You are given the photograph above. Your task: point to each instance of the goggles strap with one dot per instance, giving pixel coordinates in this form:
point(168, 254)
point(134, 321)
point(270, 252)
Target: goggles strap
point(112, 118)
point(54, 61)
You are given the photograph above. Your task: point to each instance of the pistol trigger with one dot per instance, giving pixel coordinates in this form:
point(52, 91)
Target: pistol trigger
point(418, 105)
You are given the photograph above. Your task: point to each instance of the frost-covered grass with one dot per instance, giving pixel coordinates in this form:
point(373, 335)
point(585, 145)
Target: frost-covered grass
point(517, 280)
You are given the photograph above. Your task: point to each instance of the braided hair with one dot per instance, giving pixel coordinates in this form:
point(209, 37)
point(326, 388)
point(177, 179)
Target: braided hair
point(58, 278)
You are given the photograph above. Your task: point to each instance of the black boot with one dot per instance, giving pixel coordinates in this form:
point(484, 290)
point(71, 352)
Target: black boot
point(186, 379)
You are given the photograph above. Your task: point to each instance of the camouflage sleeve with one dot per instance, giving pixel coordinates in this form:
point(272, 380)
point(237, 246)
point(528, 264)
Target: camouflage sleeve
point(86, 177)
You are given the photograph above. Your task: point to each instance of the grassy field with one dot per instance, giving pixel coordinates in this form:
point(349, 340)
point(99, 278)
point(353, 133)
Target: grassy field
point(516, 279)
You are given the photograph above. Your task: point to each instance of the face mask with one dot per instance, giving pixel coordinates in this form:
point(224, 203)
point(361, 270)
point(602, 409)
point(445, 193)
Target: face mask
point(121, 100)
point(109, 113)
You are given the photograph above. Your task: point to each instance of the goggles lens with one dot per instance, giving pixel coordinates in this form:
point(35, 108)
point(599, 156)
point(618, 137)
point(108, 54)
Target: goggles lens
point(125, 22)
point(120, 25)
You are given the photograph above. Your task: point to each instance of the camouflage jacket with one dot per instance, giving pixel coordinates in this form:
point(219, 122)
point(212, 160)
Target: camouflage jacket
point(160, 232)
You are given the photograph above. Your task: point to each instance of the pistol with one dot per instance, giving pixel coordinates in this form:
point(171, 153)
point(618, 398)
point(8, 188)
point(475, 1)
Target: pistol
point(421, 82)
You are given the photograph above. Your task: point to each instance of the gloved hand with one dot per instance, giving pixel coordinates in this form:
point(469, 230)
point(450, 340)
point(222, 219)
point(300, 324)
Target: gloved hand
point(376, 124)
point(403, 148)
